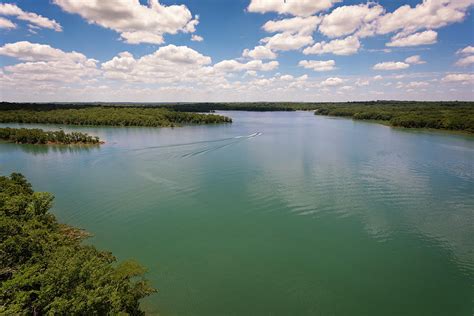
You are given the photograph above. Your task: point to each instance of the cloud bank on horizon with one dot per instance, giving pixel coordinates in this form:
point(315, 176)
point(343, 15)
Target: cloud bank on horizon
point(252, 50)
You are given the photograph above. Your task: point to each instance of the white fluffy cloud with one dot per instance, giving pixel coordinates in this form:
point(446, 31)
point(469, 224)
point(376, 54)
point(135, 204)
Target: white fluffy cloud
point(466, 50)
point(45, 64)
point(414, 24)
point(6, 24)
point(168, 64)
point(27, 51)
point(417, 84)
point(197, 38)
point(61, 71)
point(347, 46)
point(235, 66)
point(9, 9)
point(302, 25)
point(346, 20)
point(297, 8)
point(465, 61)
point(44, 68)
point(464, 78)
point(370, 19)
point(259, 52)
point(287, 41)
point(346, 88)
point(362, 83)
point(135, 22)
point(287, 77)
point(318, 65)
point(415, 60)
point(332, 82)
point(430, 14)
point(294, 33)
point(416, 39)
point(391, 65)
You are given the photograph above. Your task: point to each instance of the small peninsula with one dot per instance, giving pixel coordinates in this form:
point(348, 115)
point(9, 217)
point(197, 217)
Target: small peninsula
point(97, 115)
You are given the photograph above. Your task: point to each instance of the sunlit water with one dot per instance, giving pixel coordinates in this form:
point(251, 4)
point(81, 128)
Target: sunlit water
point(275, 214)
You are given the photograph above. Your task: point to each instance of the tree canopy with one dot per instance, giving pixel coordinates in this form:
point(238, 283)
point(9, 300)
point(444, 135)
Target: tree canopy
point(44, 268)
point(448, 115)
point(456, 116)
point(39, 136)
point(108, 116)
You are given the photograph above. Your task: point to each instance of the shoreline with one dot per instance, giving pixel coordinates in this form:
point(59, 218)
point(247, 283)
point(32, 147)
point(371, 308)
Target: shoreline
point(387, 123)
point(53, 143)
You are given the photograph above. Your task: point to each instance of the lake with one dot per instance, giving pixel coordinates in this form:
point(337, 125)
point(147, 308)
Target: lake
point(279, 213)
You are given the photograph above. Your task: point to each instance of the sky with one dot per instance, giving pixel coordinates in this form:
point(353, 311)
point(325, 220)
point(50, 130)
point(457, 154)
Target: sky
point(236, 50)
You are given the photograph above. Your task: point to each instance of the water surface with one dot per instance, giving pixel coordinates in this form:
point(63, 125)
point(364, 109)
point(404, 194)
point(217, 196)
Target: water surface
point(276, 214)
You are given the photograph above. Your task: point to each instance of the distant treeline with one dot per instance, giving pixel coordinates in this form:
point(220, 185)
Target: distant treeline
point(103, 115)
point(229, 106)
point(39, 136)
point(456, 116)
point(45, 269)
point(256, 107)
point(204, 107)
point(450, 115)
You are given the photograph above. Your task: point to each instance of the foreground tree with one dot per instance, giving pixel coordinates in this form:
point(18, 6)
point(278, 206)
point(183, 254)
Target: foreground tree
point(44, 268)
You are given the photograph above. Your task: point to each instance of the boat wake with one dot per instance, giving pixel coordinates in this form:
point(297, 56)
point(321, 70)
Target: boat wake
point(176, 150)
point(199, 142)
point(237, 139)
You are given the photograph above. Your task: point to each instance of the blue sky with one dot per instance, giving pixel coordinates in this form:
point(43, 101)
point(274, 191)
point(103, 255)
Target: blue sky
point(188, 50)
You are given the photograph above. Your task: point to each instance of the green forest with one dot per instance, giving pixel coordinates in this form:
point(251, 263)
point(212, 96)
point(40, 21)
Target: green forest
point(455, 116)
point(106, 115)
point(39, 136)
point(45, 269)
point(452, 115)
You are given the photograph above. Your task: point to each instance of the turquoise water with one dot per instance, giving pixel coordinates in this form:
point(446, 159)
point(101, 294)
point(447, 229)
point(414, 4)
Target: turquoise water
point(276, 214)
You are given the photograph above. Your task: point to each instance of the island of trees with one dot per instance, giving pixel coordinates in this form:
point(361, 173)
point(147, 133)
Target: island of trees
point(39, 136)
point(45, 269)
point(104, 115)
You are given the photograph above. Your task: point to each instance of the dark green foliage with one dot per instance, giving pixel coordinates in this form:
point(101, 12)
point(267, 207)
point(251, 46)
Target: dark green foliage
point(210, 107)
point(451, 115)
point(179, 107)
point(39, 136)
point(107, 115)
point(44, 269)
point(456, 116)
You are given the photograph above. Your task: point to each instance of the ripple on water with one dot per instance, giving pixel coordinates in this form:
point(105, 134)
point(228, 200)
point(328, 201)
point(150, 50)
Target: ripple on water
point(309, 217)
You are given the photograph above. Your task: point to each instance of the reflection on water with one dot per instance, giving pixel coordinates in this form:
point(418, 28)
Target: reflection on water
point(278, 213)
point(61, 149)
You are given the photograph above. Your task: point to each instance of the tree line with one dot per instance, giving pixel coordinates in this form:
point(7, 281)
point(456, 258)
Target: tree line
point(456, 116)
point(450, 115)
point(179, 107)
point(44, 268)
point(39, 136)
point(109, 116)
